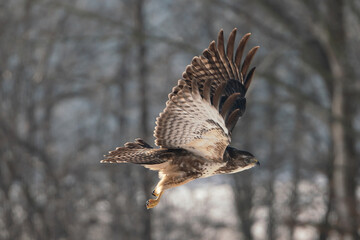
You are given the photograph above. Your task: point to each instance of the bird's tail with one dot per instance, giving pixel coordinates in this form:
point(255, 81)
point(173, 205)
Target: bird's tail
point(138, 152)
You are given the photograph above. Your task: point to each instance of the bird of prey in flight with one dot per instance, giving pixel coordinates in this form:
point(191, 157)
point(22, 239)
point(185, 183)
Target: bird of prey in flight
point(193, 132)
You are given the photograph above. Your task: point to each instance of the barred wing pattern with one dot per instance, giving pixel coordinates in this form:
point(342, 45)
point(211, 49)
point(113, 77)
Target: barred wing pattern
point(192, 123)
point(204, 107)
point(221, 67)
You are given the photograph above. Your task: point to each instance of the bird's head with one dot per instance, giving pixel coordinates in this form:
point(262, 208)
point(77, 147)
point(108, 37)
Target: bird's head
point(242, 159)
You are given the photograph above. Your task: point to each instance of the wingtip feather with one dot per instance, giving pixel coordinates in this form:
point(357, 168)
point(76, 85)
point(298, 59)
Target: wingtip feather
point(248, 60)
point(230, 45)
point(220, 43)
point(240, 49)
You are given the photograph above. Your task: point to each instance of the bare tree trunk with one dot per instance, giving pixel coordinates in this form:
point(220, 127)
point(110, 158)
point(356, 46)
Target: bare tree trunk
point(345, 165)
point(325, 226)
point(343, 187)
point(352, 167)
point(143, 92)
point(296, 165)
point(244, 202)
point(121, 80)
point(271, 114)
point(337, 130)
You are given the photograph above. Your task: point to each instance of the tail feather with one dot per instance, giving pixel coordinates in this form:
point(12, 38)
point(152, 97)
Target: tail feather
point(138, 152)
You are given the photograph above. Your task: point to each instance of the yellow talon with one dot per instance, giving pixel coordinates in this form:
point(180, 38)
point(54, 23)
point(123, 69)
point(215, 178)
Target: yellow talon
point(153, 202)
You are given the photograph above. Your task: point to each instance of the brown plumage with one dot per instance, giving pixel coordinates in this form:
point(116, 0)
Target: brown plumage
point(194, 130)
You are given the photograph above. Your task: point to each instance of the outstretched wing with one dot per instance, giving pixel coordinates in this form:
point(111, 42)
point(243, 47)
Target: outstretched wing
point(225, 72)
point(192, 123)
point(204, 107)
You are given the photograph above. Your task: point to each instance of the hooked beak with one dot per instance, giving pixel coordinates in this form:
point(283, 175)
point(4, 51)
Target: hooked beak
point(256, 161)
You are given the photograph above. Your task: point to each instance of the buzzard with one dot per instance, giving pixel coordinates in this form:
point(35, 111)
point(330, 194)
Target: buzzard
point(194, 130)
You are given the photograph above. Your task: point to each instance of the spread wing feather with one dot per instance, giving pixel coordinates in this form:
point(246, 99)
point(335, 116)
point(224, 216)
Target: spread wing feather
point(192, 123)
point(204, 107)
point(219, 66)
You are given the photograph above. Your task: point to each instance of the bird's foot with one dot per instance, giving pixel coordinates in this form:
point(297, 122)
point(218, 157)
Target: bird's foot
point(152, 203)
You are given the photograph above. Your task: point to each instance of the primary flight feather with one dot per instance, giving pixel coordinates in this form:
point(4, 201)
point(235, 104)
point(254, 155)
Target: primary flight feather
point(194, 130)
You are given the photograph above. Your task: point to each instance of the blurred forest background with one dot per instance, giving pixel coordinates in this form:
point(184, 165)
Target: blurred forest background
point(80, 77)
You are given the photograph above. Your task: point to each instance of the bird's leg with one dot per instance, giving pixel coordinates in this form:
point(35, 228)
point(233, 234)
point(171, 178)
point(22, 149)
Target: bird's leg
point(158, 191)
point(165, 183)
point(154, 193)
point(153, 202)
